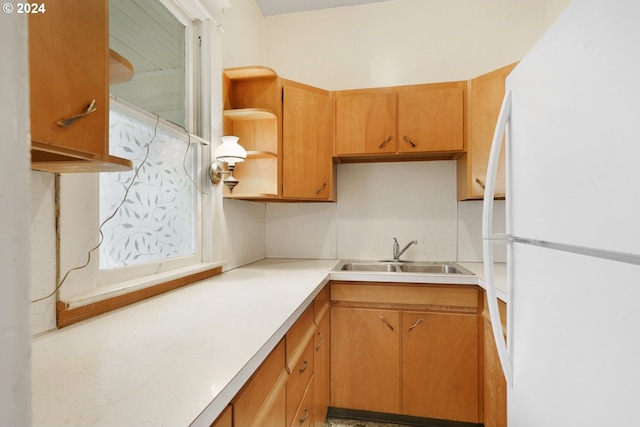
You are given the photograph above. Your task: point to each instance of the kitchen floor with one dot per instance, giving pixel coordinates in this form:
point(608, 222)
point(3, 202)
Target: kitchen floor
point(341, 422)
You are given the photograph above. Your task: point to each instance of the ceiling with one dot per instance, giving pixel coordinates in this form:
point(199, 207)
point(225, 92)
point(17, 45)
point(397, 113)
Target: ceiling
point(279, 7)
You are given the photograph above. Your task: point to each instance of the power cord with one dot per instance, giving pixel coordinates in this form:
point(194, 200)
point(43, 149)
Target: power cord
point(101, 238)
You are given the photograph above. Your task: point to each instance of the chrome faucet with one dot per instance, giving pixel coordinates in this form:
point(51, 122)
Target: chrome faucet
point(396, 248)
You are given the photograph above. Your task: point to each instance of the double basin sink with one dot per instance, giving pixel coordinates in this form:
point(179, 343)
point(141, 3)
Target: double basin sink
point(403, 267)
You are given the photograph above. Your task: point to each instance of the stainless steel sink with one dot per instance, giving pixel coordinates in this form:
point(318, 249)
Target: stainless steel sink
point(405, 267)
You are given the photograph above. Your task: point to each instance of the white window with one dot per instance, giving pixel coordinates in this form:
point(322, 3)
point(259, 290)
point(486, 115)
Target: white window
point(155, 226)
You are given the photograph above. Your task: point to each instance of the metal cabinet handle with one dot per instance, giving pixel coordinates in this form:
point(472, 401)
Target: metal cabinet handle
point(413, 144)
point(69, 121)
point(416, 324)
point(304, 368)
point(480, 183)
point(324, 185)
point(320, 343)
point(386, 322)
point(386, 141)
point(306, 415)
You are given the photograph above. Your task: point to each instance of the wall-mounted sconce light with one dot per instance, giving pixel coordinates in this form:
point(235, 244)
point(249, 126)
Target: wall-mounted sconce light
point(229, 152)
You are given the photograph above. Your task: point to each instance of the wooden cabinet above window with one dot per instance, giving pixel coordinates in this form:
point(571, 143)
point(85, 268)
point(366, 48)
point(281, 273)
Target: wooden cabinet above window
point(69, 79)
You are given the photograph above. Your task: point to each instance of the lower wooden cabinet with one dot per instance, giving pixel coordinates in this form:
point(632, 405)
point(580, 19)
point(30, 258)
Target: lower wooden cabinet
point(440, 365)
point(495, 385)
point(365, 359)
point(225, 419)
point(322, 364)
point(406, 349)
point(261, 402)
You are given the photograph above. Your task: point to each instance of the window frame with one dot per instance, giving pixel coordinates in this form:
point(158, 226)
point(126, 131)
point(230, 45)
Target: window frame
point(78, 198)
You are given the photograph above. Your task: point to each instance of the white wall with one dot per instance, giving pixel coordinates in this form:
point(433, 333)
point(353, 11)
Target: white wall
point(15, 343)
point(402, 42)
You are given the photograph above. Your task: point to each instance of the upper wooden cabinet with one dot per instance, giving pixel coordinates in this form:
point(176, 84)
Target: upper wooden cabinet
point(404, 122)
point(69, 77)
point(307, 144)
point(485, 94)
point(252, 98)
point(286, 129)
point(431, 119)
point(365, 123)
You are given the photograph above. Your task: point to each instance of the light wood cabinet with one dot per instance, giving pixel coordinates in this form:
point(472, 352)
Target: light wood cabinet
point(485, 94)
point(404, 122)
point(405, 349)
point(322, 357)
point(431, 119)
point(440, 365)
point(365, 123)
point(252, 99)
point(495, 385)
point(68, 72)
point(307, 161)
point(261, 402)
point(365, 359)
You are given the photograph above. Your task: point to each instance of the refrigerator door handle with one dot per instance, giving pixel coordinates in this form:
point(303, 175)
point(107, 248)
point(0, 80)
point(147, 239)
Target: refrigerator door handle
point(489, 238)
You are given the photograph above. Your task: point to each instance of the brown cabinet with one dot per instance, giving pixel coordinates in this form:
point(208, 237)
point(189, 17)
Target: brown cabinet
point(322, 357)
point(365, 123)
point(431, 119)
point(69, 76)
point(495, 385)
point(286, 128)
point(307, 150)
point(365, 359)
point(440, 365)
point(405, 349)
point(485, 94)
point(403, 122)
point(252, 99)
point(261, 402)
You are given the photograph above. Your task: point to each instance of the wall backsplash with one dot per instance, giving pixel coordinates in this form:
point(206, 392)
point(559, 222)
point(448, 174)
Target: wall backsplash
point(379, 201)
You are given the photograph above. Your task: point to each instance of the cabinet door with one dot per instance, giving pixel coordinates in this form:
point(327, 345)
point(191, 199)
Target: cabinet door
point(366, 124)
point(322, 344)
point(440, 365)
point(495, 386)
point(306, 142)
point(485, 98)
point(365, 362)
point(68, 60)
point(431, 120)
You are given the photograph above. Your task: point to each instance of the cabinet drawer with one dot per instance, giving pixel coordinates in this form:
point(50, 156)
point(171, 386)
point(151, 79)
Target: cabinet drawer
point(456, 296)
point(304, 415)
point(297, 337)
point(262, 391)
point(299, 381)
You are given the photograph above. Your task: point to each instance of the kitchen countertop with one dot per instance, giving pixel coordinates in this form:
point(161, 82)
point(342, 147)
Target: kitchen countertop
point(179, 358)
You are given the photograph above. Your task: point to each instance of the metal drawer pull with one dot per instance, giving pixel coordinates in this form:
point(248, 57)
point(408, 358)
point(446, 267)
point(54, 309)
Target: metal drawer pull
point(480, 183)
point(415, 324)
point(320, 343)
point(306, 415)
point(68, 122)
point(324, 185)
point(406, 138)
point(386, 322)
point(304, 368)
point(385, 142)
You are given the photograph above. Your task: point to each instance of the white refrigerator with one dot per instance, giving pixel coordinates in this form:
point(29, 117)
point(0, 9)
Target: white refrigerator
point(571, 120)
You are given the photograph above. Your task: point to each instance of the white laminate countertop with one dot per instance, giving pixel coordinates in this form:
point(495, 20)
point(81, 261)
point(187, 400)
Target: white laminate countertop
point(179, 358)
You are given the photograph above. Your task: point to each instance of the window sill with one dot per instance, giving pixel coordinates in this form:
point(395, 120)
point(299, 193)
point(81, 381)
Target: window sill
point(108, 298)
